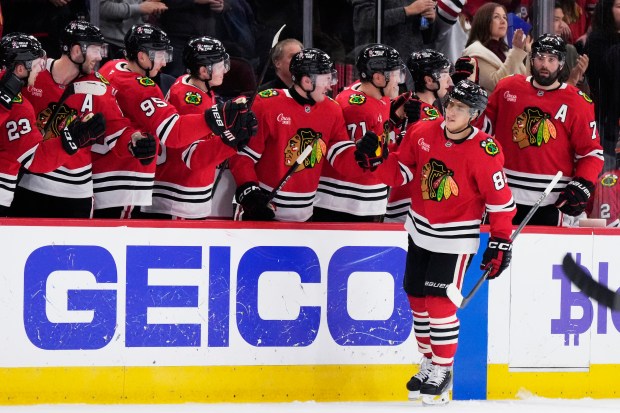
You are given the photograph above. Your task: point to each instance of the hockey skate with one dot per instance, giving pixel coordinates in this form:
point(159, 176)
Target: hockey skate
point(415, 383)
point(436, 390)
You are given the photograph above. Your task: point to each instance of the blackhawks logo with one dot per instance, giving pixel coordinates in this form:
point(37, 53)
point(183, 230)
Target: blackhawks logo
point(267, 93)
point(193, 98)
point(437, 182)
point(585, 97)
point(101, 78)
point(65, 116)
point(431, 113)
point(146, 81)
point(490, 147)
point(304, 138)
point(357, 99)
point(609, 179)
point(18, 99)
point(533, 127)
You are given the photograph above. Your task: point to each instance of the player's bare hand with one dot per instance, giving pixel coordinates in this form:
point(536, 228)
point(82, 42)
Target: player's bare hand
point(430, 14)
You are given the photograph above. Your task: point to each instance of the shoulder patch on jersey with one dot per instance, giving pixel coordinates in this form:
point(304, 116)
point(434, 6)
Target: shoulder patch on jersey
point(585, 97)
point(146, 81)
point(437, 181)
point(431, 113)
point(193, 98)
point(609, 179)
point(18, 98)
point(267, 93)
point(101, 78)
point(490, 147)
point(357, 99)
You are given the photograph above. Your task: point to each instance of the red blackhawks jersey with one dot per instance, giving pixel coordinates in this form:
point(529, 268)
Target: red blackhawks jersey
point(22, 145)
point(543, 132)
point(74, 178)
point(285, 129)
point(366, 194)
point(454, 182)
point(184, 176)
point(605, 203)
point(400, 196)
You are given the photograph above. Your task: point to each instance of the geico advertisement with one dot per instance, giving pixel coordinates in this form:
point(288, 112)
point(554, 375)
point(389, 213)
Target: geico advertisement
point(538, 319)
point(181, 296)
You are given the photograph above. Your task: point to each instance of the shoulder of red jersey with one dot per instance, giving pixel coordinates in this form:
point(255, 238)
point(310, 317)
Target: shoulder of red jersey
point(270, 93)
point(577, 94)
point(511, 80)
point(486, 142)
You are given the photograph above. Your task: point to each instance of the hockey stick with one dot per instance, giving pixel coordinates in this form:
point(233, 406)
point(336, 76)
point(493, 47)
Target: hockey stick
point(85, 87)
point(300, 159)
point(452, 290)
point(588, 285)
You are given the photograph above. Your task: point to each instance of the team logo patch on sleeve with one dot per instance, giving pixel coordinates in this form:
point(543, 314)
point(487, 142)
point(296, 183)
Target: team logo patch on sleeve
point(431, 113)
point(267, 93)
point(146, 81)
point(609, 179)
point(101, 78)
point(193, 98)
point(299, 142)
point(357, 99)
point(18, 99)
point(490, 147)
point(585, 97)
point(533, 127)
point(437, 182)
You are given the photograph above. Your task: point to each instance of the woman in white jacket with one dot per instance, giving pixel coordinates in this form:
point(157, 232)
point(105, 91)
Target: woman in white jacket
point(486, 43)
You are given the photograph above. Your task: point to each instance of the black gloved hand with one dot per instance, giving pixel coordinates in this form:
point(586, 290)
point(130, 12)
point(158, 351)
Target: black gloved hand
point(574, 198)
point(397, 104)
point(10, 86)
point(463, 68)
point(143, 147)
point(497, 256)
point(232, 121)
point(83, 132)
point(412, 111)
point(254, 201)
point(370, 152)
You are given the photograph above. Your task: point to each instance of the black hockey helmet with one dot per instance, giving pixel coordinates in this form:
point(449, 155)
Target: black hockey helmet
point(146, 38)
point(471, 94)
point(82, 33)
point(19, 47)
point(427, 62)
point(309, 62)
point(377, 58)
point(550, 43)
point(204, 51)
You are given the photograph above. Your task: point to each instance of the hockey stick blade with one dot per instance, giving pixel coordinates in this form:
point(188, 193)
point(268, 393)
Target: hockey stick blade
point(84, 87)
point(588, 285)
point(453, 292)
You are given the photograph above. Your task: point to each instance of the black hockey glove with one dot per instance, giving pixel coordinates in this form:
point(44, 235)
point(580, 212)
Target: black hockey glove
point(497, 256)
point(574, 198)
point(10, 86)
point(232, 121)
point(395, 105)
point(412, 110)
point(254, 201)
point(143, 147)
point(82, 133)
point(370, 152)
point(464, 68)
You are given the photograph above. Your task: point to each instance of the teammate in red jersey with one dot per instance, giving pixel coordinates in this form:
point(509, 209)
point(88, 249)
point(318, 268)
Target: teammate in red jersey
point(546, 126)
point(184, 177)
point(366, 107)
point(605, 203)
point(68, 191)
point(290, 120)
point(458, 171)
point(141, 100)
point(21, 142)
point(430, 71)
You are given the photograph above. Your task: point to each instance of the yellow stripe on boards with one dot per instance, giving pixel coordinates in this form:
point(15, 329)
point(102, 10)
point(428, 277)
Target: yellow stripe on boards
point(600, 382)
point(210, 384)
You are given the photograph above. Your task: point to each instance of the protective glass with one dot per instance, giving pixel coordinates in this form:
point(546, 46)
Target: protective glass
point(221, 67)
point(398, 74)
point(457, 107)
point(443, 74)
point(94, 51)
point(549, 58)
point(161, 56)
point(326, 80)
point(38, 63)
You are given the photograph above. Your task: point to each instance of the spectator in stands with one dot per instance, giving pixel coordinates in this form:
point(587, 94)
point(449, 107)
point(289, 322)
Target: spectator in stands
point(281, 57)
point(486, 43)
point(576, 65)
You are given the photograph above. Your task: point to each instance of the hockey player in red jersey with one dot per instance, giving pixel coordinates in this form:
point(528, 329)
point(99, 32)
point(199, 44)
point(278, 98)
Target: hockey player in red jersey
point(546, 126)
point(366, 107)
point(184, 177)
point(605, 203)
point(290, 120)
point(68, 191)
point(458, 171)
point(21, 142)
point(430, 71)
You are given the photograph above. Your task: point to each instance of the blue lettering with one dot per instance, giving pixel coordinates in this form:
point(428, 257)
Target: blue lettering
point(219, 297)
